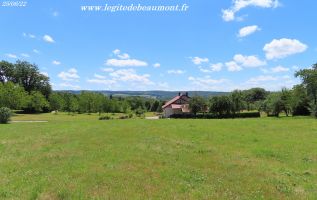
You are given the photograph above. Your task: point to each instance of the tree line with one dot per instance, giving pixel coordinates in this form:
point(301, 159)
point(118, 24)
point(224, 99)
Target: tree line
point(23, 87)
point(300, 100)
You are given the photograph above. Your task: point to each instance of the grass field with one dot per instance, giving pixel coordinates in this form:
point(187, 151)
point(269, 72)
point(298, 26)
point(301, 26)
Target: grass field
point(80, 157)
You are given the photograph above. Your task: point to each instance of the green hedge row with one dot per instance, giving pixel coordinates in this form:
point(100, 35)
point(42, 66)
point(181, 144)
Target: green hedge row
point(213, 116)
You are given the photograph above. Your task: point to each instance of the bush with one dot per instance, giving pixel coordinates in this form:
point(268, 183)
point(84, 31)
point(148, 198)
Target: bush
point(105, 117)
point(130, 115)
point(124, 117)
point(5, 115)
point(213, 116)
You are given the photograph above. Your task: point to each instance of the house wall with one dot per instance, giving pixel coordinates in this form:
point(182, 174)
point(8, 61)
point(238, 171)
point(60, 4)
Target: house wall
point(168, 111)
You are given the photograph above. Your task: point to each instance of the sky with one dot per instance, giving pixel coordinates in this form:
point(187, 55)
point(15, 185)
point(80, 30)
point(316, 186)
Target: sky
point(205, 45)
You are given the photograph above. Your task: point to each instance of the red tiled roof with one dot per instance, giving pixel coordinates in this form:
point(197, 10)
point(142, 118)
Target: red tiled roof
point(173, 100)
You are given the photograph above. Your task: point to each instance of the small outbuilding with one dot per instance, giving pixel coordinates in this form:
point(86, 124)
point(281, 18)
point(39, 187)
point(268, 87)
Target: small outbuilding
point(177, 105)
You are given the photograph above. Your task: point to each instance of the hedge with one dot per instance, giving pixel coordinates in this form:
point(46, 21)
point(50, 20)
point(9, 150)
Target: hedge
point(213, 116)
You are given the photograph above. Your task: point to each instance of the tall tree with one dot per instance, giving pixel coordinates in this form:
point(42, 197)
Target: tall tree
point(309, 78)
point(25, 74)
point(197, 104)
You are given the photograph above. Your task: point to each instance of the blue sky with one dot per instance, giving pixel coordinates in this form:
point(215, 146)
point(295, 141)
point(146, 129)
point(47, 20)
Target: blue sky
point(213, 46)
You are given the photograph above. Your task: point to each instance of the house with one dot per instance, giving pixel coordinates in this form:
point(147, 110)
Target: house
point(177, 105)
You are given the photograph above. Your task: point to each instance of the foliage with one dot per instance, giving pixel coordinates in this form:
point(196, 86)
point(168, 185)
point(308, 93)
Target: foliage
point(56, 102)
point(300, 101)
point(237, 99)
point(273, 105)
point(220, 105)
point(105, 117)
point(213, 116)
point(254, 95)
point(12, 96)
point(5, 115)
point(197, 104)
point(26, 75)
point(37, 102)
point(139, 112)
point(309, 78)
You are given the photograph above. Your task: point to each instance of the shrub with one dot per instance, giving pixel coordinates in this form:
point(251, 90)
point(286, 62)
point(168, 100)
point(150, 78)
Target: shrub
point(214, 116)
point(5, 115)
point(130, 115)
point(105, 117)
point(139, 112)
point(124, 117)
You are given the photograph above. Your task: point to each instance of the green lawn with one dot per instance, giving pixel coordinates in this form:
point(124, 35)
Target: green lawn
point(80, 157)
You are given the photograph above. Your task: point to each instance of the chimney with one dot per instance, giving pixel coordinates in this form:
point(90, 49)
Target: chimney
point(179, 94)
point(186, 94)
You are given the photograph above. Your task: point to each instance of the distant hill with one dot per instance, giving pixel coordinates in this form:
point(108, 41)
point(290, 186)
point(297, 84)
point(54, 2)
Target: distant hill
point(163, 95)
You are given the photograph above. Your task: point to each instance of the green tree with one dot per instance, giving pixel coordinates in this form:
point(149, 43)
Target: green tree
point(56, 102)
point(254, 95)
point(286, 98)
point(29, 76)
point(37, 102)
point(273, 105)
point(6, 71)
point(197, 104)
point(220, 105)
point(12, 96)
point(309, 79)
point(237, 99)
point(300, 101)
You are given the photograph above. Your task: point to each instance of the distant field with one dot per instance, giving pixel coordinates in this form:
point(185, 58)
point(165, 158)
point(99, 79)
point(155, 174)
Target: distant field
point(80, 157)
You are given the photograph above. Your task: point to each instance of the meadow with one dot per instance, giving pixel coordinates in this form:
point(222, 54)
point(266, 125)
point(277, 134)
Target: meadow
point(81, 157)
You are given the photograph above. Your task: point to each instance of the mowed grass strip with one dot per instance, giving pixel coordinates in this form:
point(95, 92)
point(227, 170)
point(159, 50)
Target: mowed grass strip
point(80, 157)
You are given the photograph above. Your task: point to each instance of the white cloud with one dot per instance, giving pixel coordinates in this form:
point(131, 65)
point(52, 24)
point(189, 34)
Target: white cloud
point(48, 39)
point(198, 60)
point(204, 70)
point(124, 56)
point(271, 83)
point(70, 75)
point(130, 75)
point(216, 67)
point(107, 69)
point(248, 30)
point(55, 62)
point(283, 47)
point(10, 55)
point(229, 14)
point(178, 71)
point(101, 81)
point(99, 76)
point(248, 61)
point(207, 83)
point(279, 69)
point(261, 78)
point(29, 35)
point(124, 60)
point(126, 63)
point(213, 68)
point(233, 66)
point(116, 51)
point(36, 51)
point(156, 65)
point(69, 86)
point(25, 55)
